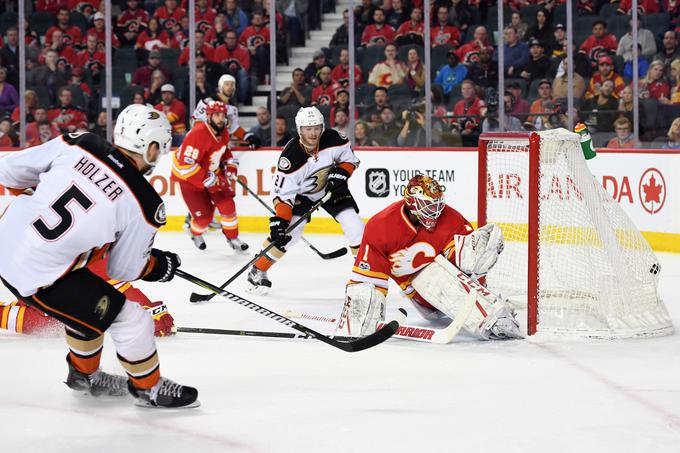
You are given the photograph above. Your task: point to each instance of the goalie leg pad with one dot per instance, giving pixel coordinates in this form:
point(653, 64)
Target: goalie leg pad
point(478, 251)
point(364, 308)
point(492, 318)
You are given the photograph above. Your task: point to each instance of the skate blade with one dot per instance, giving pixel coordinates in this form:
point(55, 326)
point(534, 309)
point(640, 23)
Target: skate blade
point(142, 403)
point(258, 290)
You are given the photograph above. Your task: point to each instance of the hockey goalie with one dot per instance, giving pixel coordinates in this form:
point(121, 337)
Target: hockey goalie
point(401, 242)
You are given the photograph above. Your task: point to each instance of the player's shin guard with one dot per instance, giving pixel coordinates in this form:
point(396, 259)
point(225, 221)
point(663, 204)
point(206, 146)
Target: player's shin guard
point(229, 225)
point(84, 353)
point(132, 333)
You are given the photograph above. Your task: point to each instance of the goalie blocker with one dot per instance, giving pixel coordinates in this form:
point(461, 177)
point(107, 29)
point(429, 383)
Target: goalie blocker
point(402, 242)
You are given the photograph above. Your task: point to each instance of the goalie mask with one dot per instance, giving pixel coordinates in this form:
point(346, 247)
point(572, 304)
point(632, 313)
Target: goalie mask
point(424, 199)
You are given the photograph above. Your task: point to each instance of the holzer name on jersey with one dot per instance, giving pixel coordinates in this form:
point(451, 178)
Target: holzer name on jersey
point(99, 178)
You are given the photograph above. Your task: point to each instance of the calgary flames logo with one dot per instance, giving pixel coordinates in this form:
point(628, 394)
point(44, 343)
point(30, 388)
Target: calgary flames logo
point(411, 259)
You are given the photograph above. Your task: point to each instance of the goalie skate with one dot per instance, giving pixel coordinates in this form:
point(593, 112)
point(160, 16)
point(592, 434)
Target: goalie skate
point(501, 324)
point(98, 383)
point(259, 283)
point(165, 394)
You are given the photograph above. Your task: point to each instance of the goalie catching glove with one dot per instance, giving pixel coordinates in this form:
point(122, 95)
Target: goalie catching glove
point(478, 251)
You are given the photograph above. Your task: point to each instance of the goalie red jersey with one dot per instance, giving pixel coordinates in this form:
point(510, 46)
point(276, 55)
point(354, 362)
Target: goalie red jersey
point(394, 247)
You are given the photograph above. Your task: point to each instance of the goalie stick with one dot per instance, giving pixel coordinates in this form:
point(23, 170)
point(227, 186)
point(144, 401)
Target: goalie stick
point(351, 346)
point(195, 297)
point(326, 256)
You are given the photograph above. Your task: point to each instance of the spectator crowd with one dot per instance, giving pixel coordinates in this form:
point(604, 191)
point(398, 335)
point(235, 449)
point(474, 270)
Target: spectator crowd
point(65, 64)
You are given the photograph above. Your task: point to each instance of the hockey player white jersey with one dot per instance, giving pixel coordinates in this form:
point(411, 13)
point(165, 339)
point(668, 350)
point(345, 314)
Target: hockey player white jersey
point(88, 196)
point(301, 173)
point(232, 115)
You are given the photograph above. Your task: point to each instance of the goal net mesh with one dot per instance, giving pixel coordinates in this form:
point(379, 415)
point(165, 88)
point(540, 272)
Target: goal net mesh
point(597, 276)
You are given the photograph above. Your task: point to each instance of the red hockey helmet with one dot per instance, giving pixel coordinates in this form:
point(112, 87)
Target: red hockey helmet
point(425, 200)
point(215, 107)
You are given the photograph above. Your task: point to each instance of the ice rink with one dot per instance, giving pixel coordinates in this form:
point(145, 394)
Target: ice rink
point(280, 395)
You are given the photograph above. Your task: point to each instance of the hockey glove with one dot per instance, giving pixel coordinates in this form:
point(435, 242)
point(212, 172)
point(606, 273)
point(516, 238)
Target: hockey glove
point(164, 266)
point(253, 141)
point(230, 168)
point(277, 228)
point(163, 321)
point(337, 179)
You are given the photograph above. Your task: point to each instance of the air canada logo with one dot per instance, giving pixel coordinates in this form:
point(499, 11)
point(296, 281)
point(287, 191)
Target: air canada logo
point(377, 182)
point(652, 190)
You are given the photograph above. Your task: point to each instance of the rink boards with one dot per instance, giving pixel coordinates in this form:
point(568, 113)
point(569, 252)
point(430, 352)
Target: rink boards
point(646, 183)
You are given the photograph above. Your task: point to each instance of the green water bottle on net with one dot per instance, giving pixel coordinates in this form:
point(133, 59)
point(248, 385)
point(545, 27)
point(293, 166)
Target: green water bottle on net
point(586, 141)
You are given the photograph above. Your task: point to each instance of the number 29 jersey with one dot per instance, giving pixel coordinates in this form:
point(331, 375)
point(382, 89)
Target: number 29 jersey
point(89, 198)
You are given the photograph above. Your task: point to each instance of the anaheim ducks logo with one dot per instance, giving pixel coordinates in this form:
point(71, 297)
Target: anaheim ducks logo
point(102, 307)
point(317, 181)
point(153, 115)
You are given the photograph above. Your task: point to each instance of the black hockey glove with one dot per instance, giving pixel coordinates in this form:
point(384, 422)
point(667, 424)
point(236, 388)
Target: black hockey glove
point(277, 228)
point(164, 268)
point(337, 179)
point(253, 141)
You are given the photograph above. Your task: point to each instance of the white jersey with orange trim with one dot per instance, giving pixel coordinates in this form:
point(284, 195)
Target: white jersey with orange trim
point(88, 196)
point(301, 173)
point(393, 247)
point(231, 116)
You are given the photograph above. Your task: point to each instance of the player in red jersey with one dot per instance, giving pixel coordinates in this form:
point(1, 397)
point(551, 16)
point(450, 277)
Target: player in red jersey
point(204, 167)
point(21, 318)
point(401, 242)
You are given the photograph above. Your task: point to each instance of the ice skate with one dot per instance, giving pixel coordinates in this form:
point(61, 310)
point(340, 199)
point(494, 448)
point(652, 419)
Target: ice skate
point(259, 283)
point(237, 244)
point(166, 394)
point(95, 384)
point(187, 223)
point(198, 241)
point(215, 225)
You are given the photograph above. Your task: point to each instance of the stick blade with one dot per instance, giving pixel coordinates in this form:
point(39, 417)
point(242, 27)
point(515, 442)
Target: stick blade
point(379, 336)
point(335, 254)
point(195, 297)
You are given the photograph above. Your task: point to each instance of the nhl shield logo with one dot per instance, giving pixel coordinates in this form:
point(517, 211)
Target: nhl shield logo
point(377, 182)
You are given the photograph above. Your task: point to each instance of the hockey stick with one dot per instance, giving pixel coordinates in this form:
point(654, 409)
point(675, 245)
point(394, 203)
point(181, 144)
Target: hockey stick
point(418, 333)
point(195, 297)
point(326, 256)
point(253, 333)
point(351, 346)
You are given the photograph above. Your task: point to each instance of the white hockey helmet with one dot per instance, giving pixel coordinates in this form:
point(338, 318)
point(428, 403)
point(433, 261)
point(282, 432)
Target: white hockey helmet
point(137, 126)
point(308, 116)
point(224, 79)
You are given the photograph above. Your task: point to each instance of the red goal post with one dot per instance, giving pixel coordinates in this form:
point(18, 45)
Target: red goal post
point(572, 258)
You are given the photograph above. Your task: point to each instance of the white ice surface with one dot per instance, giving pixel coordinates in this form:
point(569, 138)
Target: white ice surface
point(278, 395)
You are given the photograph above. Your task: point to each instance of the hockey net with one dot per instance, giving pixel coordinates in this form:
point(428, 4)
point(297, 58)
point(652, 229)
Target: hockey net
point(572, 256)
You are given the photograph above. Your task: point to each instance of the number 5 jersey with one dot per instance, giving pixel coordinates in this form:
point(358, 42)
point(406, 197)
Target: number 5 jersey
point(89, 199)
